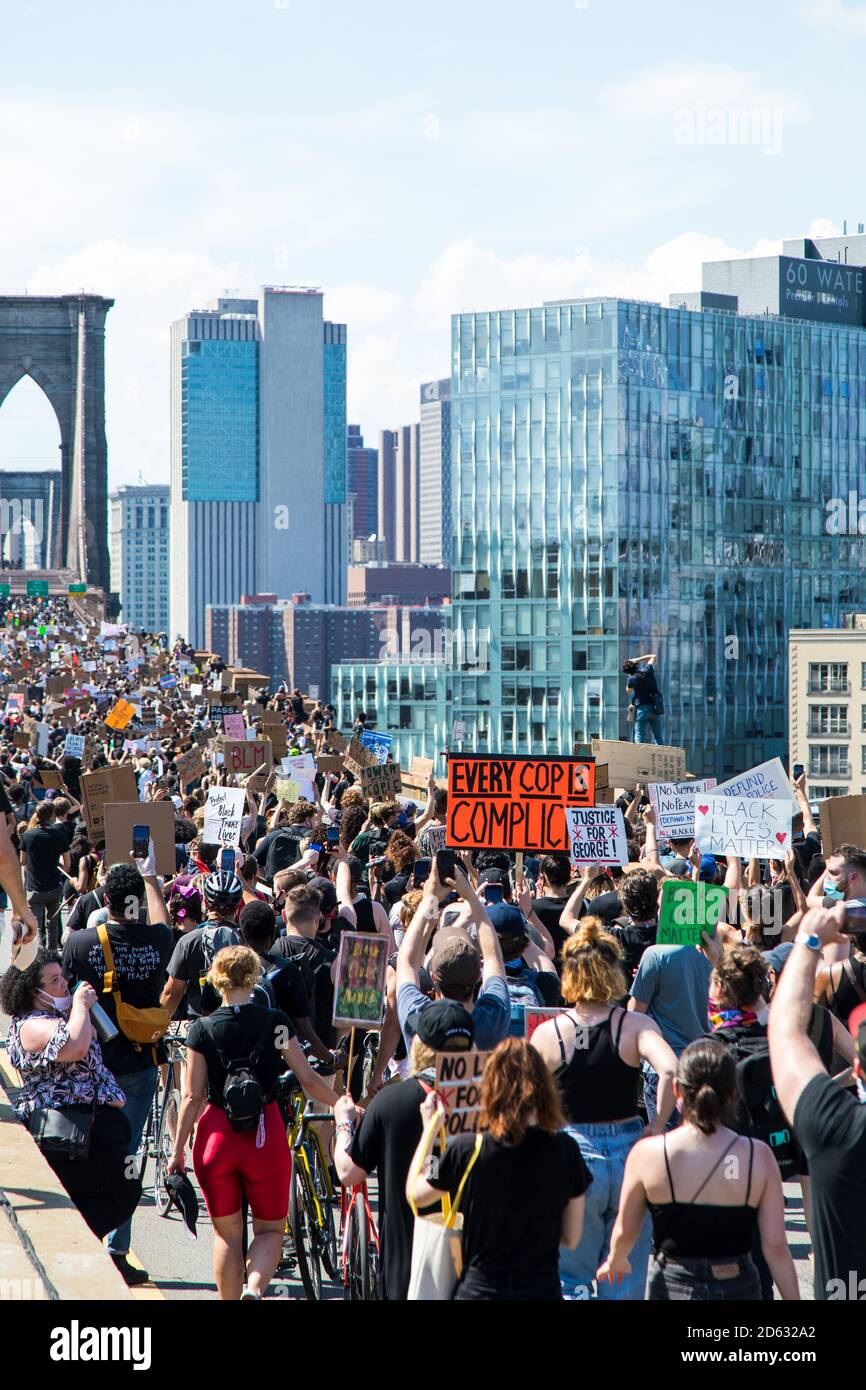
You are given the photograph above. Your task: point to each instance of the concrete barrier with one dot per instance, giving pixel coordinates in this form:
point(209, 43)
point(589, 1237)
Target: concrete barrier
point(46, 1249)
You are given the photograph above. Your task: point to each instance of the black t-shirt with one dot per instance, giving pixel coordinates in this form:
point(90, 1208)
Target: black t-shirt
point(314, 961)
point(643, 685)
point(5, 803)
point(43, 847)
point(532, 1182)
point(634, 938)
point(385, 1143)
point(141, 953)
point(189, 962)
point(393, 890)
point(607, 907)
point(288, 984)
point(280, 849)
point(548, 911)
point(82, 908)
point(831, 1127)
point(236, 1030)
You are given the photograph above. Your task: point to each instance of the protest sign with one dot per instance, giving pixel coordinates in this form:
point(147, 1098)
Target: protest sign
point(536, 1014)
point(22, 739)
point(120, 714)
point(358, 757)
point(301, 767)
point(287, 789)
point(688, 909)
point(337, 741)
point(379, 744)
point(753, 827)
point(843, 822)
point(596, 835)
point(51, 779)
point(458, 1081)
point(73, 746)
point(158, 816)
point(515, 803)
point(105, 786)
point(43, 739)
point(223, 815)
point(629, 763)
point(190, 767)
point(768, 780)
point(246, 755)
point(234, 726)
point(329, 763)
point(674, 806)
point(380, 783)
point(359, 990)
point(417, 776)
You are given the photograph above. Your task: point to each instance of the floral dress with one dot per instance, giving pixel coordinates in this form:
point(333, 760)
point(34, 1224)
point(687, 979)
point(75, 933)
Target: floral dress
point(45, 1082)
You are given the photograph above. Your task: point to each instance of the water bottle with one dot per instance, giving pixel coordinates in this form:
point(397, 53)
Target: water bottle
point(106, 1030)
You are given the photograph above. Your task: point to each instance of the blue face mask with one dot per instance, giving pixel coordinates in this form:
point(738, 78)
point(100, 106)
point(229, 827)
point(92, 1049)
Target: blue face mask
point(832, 890)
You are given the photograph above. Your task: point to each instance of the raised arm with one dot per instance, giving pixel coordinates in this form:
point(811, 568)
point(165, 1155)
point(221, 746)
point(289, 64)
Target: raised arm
point(793, 1055)
point(809, 826)
point(651, 845)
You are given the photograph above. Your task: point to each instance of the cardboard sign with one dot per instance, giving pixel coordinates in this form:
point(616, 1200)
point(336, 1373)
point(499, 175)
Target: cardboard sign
point(596, 835)
point(417, 776)
point(120, 714)
point(687, 910)
point(379, 744)
point(843, 822)
point(223, 815)
point(120, 817)
point(458, 1081)
point(51, 779)
point(674, 806)
point(639, 762)
point(242, 756)
point(74, 746)
point(751, 827)
point(359, 990)
point(329, 763)
point(190, 767)
point(516, 802)
point(767, 780)
point(358, 757)
point(103, 787)
point(234, 726)
point(380, 783)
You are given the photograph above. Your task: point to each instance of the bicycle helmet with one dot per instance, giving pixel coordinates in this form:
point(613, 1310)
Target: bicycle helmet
point(223, 886)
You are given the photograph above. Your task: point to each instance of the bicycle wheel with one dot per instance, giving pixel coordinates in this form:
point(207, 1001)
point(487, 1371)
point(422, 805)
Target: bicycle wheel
point(327, 1231)
point(164, 1149)
point(304, 1224)
point(145, 1143)
point(363, 1259)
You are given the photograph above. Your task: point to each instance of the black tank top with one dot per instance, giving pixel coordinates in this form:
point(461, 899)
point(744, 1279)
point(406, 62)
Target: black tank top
point(364, 914)
point(846, 996)
point(597, 1085)
point(701, 1231)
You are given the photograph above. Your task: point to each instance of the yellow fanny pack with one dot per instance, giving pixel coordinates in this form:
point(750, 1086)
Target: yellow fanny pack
point(138, 1025)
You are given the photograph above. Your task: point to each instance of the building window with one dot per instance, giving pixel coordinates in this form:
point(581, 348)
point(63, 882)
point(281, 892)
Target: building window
point(827, 760)
point(828, 678)
point(822, 793)
point(828, 719)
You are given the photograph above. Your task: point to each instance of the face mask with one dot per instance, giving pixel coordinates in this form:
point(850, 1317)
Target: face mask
point(832, 890)
point(62, 1005)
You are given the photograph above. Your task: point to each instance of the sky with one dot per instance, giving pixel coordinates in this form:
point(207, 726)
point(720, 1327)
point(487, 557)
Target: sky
point(412, 160)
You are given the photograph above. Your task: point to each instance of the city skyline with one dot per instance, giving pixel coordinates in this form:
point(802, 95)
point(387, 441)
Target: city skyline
point(166, 204)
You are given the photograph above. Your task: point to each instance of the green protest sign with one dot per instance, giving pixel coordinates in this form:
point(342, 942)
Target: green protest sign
point(687, 910)
point(359, 995)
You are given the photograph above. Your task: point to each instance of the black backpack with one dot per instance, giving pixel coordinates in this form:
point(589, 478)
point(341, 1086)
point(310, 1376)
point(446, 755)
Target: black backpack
point(244, 1097)
point(264, 991)
point(759, 1113)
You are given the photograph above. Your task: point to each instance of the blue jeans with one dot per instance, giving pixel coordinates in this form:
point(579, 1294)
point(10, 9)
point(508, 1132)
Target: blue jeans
point(605, 1149)
point(647, 725)
point(650, 1097)
point(139, 1088)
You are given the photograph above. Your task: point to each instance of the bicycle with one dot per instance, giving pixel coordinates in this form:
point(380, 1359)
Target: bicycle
point(360, 1246)
point(157, 1139)
point(312, 1199)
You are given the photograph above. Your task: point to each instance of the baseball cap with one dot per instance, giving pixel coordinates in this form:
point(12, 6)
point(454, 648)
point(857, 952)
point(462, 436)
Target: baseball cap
point(445, 1026)
point(676, 865)
point(777, 956)
point(508, 921)
point(493, 876)
point(707, 871)
point(183, 1196)
point(455, 959)
point(328, 892)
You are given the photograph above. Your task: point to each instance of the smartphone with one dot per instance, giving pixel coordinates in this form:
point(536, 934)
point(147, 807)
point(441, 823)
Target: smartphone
point(333, 834)
point(855, 917)
point(444, 864)
point(799, 769)
point(374, 863)
point(450, 917)
point(421, 871)
point(140, 841)
point(317, 848)
point(227, 861)
point(493, 893)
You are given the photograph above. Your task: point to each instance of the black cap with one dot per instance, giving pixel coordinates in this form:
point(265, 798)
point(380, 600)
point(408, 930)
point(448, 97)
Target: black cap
point(328, 892)
point(445, 1026)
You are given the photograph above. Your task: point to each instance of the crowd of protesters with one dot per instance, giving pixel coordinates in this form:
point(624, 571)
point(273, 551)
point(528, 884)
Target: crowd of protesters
point(634, 1147)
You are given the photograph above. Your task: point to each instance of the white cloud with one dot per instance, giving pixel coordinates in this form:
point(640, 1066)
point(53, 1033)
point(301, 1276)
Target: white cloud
point(659, 92)
point(840, 18)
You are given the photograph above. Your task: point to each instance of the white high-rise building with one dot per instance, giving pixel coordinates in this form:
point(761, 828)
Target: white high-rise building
point(138, 545)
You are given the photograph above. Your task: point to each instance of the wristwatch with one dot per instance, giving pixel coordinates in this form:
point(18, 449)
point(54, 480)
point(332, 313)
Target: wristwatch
point(808, 938)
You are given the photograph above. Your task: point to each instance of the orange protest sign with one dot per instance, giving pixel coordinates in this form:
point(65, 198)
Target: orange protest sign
point(120, 715)
point(515, 803)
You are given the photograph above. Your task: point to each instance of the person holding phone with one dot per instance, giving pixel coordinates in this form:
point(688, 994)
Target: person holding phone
point(841, 985)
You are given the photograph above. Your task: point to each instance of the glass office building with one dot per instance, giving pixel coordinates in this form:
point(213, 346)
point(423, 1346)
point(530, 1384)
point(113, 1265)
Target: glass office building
point(630, 478)
point(408, 698)
point(220, 404)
